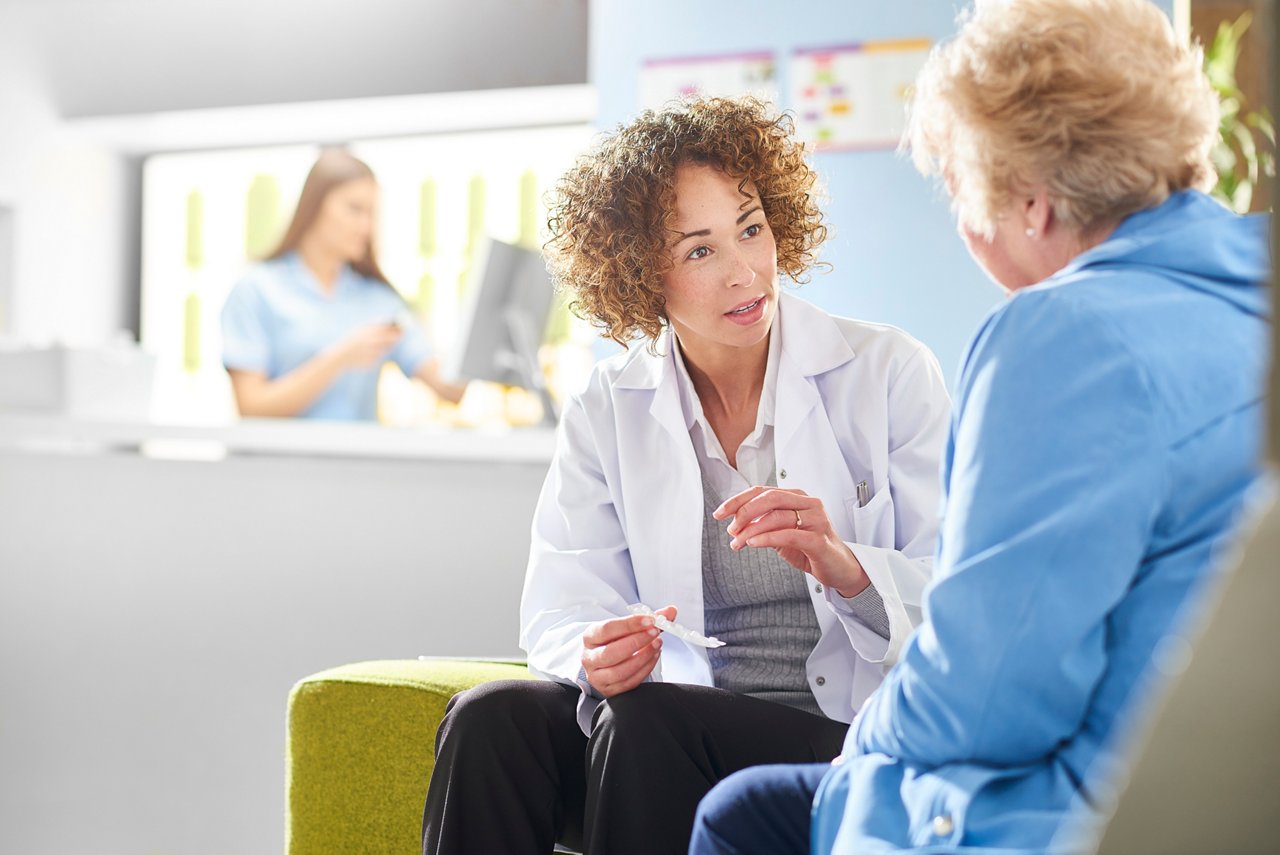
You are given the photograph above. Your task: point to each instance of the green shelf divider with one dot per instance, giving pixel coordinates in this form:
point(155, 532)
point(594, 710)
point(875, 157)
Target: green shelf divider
point(191, 333)
point(262, 215)
point(530, 209)
point(476, 191)
point(559, 322)
point(427, 219)
point(426, 295)
point(194, 249)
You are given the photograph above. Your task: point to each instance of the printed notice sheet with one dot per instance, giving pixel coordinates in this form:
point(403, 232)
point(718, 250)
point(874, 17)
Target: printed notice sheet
point(854, 96)
point(729, 75)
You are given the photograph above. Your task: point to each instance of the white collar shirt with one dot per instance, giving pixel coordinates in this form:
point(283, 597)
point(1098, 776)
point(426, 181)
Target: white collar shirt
point(755, 456)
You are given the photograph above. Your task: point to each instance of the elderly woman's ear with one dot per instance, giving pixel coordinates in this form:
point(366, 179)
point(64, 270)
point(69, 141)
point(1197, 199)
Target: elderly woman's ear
point(1037, 212)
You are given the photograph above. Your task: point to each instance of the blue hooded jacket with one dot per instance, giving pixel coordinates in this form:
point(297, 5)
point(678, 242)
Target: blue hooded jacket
point(1107, 427)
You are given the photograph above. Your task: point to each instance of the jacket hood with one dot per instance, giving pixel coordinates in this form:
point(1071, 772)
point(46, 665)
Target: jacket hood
point(1196, 241)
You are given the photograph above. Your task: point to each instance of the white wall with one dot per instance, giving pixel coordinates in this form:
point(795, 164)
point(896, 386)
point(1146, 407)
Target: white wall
point(893, 246)
point(64, 194)
point(154, 615)
point(8, 244)
point(137, 56)
point(64, 60)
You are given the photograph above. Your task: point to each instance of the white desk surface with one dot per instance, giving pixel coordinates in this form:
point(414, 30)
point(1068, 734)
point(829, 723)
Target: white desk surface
point(293, 437)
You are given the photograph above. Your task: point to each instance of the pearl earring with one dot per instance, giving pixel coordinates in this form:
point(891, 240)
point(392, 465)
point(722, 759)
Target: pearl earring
point(1031, 233)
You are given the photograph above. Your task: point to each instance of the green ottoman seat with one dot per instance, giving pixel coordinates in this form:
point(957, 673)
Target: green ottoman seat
point(361, 748)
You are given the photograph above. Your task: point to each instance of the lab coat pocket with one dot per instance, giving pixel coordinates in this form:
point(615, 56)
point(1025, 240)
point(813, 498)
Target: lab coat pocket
point(873, 523)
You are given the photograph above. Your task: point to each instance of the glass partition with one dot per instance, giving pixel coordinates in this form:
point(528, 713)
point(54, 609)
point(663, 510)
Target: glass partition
point(208, 216)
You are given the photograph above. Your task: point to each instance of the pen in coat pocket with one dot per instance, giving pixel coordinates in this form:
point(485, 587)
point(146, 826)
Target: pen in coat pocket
point(863, 495)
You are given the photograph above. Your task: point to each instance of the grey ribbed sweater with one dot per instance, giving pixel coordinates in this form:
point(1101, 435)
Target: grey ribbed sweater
point(758, 605)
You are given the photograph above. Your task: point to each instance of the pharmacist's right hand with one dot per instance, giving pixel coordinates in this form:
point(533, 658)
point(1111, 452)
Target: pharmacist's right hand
point(619, 653)
point(367, 345)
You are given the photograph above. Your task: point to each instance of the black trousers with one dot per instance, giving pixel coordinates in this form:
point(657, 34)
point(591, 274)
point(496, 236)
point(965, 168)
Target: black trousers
point(514, 773)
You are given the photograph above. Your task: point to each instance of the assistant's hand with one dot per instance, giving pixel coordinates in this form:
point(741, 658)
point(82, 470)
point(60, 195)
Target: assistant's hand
point(429, 373)
point(794, 524)
point(619, 653)
point(367, 345)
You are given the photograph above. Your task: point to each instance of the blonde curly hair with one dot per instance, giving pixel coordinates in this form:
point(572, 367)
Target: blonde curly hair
point(1096, 100)
point(611, 213)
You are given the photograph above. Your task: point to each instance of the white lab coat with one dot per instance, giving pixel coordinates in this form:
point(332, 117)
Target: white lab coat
point(620, 517)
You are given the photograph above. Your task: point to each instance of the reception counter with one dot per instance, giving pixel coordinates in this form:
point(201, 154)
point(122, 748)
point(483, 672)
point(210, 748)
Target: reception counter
point(162, 587)
point(277, 436)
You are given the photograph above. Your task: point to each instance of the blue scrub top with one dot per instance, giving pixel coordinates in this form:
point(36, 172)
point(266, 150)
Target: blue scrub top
point(278, 317)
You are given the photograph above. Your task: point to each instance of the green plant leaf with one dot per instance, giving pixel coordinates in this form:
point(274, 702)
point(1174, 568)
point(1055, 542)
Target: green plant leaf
point(1246, 139)
point(1242, 198)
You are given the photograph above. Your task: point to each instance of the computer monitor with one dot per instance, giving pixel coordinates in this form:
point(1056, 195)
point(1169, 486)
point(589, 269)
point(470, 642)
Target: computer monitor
point(505, 316)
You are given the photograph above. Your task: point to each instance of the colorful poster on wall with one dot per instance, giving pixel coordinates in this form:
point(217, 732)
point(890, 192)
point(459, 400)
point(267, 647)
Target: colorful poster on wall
point(662, 80)
point(854, 96)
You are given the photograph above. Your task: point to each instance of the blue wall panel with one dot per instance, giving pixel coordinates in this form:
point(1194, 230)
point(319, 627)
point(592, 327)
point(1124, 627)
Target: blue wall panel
point(895, 253)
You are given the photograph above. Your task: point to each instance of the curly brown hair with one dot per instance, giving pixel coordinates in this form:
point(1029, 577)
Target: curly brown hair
point(610, 220)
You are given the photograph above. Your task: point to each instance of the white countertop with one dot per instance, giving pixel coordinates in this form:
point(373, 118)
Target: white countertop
point(295, 437)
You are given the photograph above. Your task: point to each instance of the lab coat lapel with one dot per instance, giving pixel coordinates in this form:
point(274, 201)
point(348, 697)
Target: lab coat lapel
point(806, 445)
point(811, 345)
point(655, 373)
point(796, 398)
point(673, 530)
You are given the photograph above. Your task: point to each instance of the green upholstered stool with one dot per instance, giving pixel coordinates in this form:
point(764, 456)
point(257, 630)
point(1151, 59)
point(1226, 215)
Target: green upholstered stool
point(361, 749)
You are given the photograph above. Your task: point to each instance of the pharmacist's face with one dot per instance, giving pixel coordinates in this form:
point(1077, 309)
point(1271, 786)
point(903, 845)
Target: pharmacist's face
point(721, 291)
point(346, 219)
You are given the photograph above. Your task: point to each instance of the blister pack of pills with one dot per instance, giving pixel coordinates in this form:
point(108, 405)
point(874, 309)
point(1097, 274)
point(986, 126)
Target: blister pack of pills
point(681, 632)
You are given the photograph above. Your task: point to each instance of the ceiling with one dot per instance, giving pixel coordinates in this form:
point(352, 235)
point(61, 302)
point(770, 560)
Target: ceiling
point(112, 57)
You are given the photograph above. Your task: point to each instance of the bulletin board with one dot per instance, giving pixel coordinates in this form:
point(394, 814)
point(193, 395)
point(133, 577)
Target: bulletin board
point(728, 75)
point(854, 96)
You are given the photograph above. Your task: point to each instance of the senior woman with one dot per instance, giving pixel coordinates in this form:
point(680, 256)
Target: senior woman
point(752, 467)
point(1106, 432)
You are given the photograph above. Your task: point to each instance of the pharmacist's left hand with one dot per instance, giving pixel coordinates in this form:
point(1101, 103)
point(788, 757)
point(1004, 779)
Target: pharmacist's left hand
point(795, 525)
